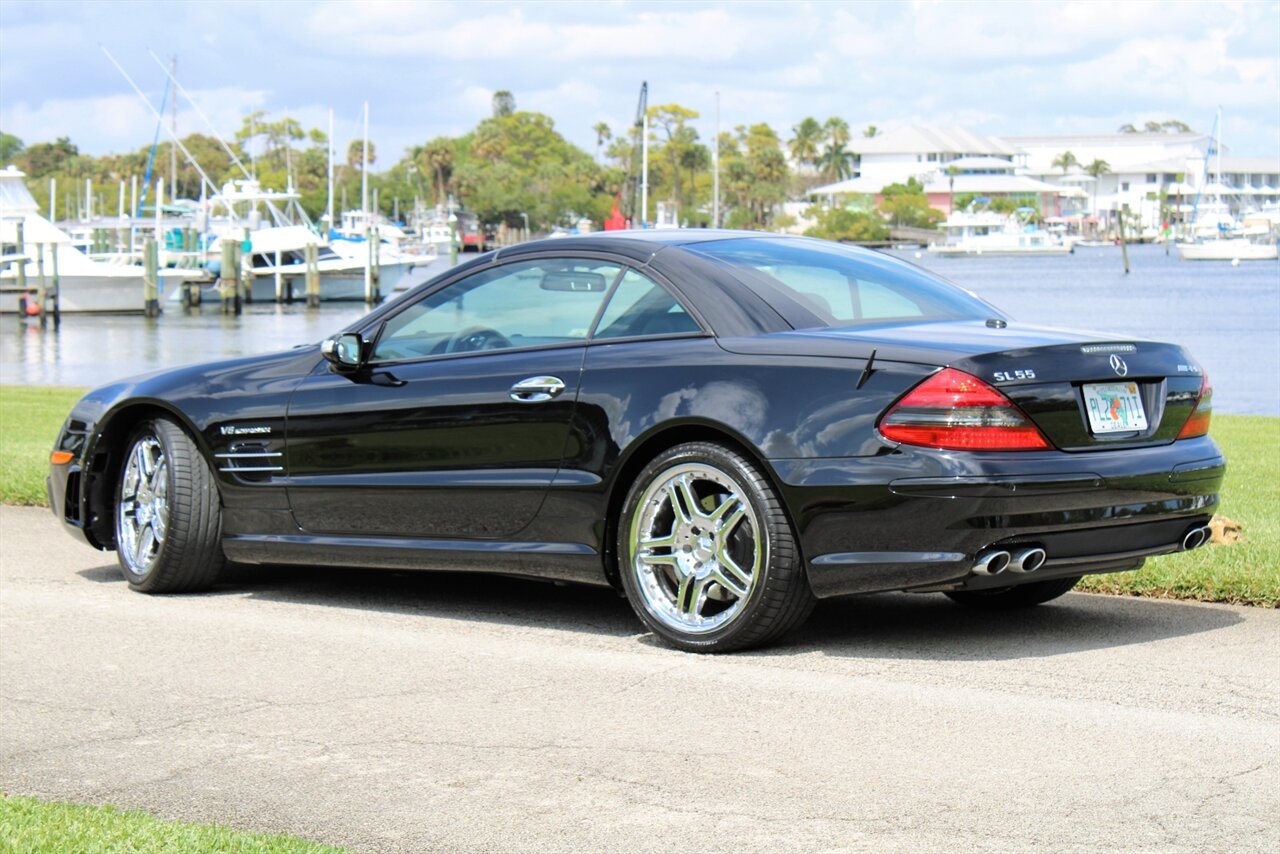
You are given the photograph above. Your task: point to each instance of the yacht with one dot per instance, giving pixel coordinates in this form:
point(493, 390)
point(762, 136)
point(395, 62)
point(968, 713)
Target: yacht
point(991, 233)
point(84, 284)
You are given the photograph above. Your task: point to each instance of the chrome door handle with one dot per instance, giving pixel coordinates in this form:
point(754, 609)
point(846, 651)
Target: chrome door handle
point(536, 389)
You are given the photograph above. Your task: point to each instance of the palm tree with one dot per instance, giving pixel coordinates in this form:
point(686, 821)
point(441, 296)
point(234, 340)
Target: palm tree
point(804, 143)
point(1065, 161)
point(837, 131)
point(1097, 169)
point(603, 135)
point(437, 155)
point(952, 172)
point(836, 162)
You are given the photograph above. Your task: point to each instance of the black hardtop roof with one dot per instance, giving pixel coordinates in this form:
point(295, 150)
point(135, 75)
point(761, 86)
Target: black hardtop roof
point(638, 243)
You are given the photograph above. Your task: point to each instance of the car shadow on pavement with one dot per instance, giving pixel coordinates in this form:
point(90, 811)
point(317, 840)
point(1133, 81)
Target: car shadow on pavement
point(883, 626)
point(930, 626)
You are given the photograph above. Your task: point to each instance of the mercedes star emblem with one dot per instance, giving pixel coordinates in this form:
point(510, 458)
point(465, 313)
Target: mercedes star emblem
point(1118, 365)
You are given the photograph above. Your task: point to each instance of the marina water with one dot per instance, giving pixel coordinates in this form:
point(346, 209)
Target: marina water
point(1229, 318)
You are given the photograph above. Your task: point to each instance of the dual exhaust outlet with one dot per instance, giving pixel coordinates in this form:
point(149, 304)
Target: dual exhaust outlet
point(1031, 558)
point(1020, 560)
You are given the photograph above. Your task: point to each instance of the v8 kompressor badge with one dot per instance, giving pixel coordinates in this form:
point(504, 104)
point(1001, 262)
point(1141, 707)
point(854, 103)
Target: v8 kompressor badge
point(231, 430)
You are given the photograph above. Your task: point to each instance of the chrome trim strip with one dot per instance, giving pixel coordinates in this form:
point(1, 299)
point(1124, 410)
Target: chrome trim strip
point(250, 454)
point(251, 468)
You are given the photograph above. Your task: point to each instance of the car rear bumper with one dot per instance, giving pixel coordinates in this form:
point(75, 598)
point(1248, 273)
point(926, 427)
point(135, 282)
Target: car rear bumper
point(916, 518)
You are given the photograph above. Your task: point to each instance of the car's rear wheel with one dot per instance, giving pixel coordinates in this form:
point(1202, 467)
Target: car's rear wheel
point(707, 555)
point(1017, 596)
point(168, 515)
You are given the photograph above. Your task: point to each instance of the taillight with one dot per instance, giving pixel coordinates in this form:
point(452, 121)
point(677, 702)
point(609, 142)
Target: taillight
point(1198, 423)
point(960, 412)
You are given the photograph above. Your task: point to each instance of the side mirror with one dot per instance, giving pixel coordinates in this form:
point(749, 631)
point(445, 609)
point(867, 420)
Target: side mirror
point(345, 352)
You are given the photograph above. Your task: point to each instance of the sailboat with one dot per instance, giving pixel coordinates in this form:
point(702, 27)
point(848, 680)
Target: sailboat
point(1215, 233)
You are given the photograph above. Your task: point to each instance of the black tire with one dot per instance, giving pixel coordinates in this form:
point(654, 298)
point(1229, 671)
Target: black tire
point(1017, 596)
point(743, 510)
point(184, 553)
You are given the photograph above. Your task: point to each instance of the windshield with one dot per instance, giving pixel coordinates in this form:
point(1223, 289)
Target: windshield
point(813, 283)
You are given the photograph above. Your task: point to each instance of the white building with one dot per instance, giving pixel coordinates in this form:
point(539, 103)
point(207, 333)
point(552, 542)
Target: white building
point(1141, 166)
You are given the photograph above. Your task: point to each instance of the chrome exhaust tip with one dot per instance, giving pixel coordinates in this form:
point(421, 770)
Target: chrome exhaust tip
point(991, 563)
point(1196, 537)
point(1027, 560)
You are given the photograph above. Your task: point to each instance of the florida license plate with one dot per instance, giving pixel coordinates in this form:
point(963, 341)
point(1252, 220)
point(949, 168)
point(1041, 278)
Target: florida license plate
point(1114, 408)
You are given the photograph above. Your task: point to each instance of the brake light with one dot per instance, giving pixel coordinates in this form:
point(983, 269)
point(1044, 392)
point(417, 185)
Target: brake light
point(1198, 422)
point(960, 412)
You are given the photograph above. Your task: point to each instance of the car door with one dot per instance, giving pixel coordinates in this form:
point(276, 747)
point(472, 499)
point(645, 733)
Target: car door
point(458, 424)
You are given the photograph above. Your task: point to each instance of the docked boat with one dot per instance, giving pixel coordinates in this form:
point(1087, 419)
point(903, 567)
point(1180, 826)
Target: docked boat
point(991, 233)
point(278, 264)
point(85, 285)
point(1242, 248)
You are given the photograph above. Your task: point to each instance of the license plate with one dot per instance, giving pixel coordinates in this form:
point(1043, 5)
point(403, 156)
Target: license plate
point(1114, 408)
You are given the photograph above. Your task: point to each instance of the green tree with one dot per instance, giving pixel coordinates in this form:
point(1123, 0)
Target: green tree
point(837, 161)
point(806, 141)
point(672, 120)
point(906, 205)
point(436, 158)
point(847, 225)
point(504, 103)
point(603, 135)
point(1065, 161)
point(355, 153)
point(1096, 170)
point(10, 148)
point(871, 131)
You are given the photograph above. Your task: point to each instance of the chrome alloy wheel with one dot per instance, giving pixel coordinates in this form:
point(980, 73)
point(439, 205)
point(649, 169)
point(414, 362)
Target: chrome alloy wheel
point(697, 549)
point(142, 516)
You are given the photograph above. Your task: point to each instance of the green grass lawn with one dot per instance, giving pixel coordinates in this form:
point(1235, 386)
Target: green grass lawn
point(30, 825)
point(1245, 573)
point(30, 417)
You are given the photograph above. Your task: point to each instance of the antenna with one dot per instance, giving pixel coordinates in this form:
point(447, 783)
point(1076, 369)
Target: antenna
point(158, 115)
point(200, 113)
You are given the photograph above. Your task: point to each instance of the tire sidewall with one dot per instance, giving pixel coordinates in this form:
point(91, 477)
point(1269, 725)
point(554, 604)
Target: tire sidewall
point(747, 478)
point(147, 428)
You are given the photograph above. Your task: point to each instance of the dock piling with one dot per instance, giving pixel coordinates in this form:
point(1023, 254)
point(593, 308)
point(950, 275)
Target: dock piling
point(313, 275)
point(1124, 247)
point(57, 286)
point(151, 277)
point(42, 291)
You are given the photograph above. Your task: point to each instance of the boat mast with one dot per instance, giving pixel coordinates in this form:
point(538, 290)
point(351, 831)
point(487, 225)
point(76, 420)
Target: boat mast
point(364, 164)
point(329, 204)
point(173, 130)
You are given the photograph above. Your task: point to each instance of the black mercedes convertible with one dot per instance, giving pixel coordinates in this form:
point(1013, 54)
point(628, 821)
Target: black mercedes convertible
point(723, 426)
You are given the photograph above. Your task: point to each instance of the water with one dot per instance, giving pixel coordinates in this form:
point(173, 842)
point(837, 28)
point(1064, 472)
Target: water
point(1228, 317)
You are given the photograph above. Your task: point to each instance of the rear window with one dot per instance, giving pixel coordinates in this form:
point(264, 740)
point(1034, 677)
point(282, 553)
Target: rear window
point(817, 284)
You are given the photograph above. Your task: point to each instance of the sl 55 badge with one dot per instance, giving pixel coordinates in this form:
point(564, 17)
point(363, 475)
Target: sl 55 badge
point(1010, 376)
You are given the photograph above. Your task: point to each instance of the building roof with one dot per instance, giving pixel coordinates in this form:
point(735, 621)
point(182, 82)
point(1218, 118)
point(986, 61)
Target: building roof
point(920, 139)
point(939, 182)
point(1097, 139)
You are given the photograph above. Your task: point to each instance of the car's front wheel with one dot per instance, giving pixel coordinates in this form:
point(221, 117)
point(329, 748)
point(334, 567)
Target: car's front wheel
point(168, 512)
point(707, 555)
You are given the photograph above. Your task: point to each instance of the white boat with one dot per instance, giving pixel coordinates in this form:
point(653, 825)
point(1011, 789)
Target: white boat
point(278, 264)
point(1217, 235)
point(84, 285)
point(991, 233)
point(1228, 249)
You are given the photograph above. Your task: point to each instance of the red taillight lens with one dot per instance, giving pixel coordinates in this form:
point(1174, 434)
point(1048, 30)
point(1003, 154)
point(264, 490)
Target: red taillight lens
point(958, 411)
point(1198, 423)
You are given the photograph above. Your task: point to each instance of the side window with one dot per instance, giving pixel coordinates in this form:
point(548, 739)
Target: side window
point(526, 304)
point(641, 306)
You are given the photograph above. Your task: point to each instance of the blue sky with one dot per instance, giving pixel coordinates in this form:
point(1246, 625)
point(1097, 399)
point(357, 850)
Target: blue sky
point(430, 68)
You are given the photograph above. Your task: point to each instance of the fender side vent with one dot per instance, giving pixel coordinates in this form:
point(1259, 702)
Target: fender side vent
point(250, 460)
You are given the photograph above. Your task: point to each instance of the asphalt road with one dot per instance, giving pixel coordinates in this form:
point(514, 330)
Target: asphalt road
point(403, 712)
